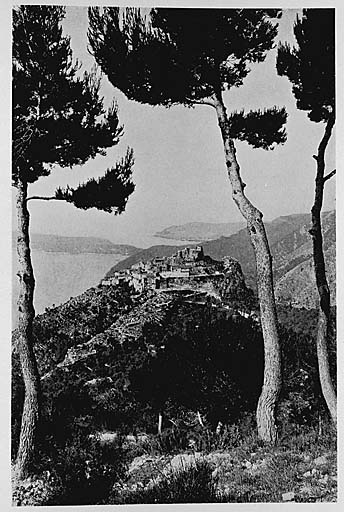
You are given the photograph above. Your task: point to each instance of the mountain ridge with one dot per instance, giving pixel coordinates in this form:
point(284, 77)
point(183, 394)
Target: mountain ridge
point(76, 244)
point(200, 231)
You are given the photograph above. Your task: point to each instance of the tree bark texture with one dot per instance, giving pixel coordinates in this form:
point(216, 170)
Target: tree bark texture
point(324, 320)
point(267, 430)
point(28, 363)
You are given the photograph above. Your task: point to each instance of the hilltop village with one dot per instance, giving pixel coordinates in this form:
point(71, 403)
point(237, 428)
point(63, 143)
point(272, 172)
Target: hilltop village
point(188, 267)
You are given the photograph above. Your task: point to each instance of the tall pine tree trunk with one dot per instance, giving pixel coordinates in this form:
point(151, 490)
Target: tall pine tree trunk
point(321, 281)
point(267, 430)
point(28, 363)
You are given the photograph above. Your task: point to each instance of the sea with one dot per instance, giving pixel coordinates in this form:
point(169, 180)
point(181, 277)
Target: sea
point(60, 276)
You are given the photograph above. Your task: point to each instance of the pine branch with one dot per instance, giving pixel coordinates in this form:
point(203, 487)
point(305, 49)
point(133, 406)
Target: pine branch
point(207, 101)
point(329, 175)
point(109, 193)
point(45, 198)
point(261, 129)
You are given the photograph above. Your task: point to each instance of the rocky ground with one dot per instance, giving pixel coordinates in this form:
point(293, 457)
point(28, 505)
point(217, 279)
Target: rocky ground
point(261, 476)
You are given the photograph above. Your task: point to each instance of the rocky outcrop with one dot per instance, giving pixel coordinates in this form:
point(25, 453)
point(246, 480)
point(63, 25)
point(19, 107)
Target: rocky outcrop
point(233, 284)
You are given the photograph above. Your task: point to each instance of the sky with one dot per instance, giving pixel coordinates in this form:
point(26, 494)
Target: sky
point(179, 171)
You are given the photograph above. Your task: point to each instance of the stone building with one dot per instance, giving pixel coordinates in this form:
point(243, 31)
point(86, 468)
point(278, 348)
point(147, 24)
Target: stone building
point(188, 267)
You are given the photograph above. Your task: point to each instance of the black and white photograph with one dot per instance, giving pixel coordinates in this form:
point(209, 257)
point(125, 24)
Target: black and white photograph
point(173, 332)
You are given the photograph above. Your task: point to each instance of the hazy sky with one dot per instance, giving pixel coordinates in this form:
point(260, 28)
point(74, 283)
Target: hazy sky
point(179, 172)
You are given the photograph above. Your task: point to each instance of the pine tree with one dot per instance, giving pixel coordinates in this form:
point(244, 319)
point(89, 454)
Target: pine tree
point(190, 57)
point(58, 119)
point(310, 67)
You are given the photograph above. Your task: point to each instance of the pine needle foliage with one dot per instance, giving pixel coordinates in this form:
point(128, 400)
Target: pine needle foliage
point(58, 113)
point(108, 193)
point(184, 56)
point(310, 66)
point(261, 128)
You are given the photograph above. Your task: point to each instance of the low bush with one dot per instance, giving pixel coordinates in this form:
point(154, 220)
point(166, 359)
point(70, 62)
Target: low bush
point(43, 489)
point(79, 471)
point(192, 484)
point(88, 471)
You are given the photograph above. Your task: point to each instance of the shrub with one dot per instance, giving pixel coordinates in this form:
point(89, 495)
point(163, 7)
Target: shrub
point(42, 489)
point(307, 438)
point(171, 440)
point(84, 468)
point(192, 484)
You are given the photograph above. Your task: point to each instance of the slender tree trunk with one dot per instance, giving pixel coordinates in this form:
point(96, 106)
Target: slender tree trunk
point(28, 363)
point(321, 281)
point(267, 430)
point(160, 423)
point(199, 417)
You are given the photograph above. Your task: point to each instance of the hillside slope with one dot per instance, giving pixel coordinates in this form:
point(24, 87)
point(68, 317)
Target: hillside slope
point(200, 231)
point(293, 262)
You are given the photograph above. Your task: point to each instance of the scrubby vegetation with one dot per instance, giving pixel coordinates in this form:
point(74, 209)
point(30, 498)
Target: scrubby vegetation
point(236, 468)
point(200, 368)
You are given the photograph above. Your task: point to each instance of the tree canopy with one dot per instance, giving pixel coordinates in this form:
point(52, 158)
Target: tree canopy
point(310, 66)
point(58, 113)
point(184, 56)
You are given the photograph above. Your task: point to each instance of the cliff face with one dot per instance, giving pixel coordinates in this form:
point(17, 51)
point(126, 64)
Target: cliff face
point(233, 284)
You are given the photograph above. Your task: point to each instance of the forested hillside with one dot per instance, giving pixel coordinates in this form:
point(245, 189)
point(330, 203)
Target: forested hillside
point(80, 345)
point(111, 362)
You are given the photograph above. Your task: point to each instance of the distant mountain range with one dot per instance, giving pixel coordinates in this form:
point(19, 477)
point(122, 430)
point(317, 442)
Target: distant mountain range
point(200, 231)
point(237, 245)
point(291, 248)
point(76, 244)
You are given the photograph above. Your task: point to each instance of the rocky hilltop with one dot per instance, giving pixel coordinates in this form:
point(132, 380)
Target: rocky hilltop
point(187, 269)
point(118, 364)
point(291, 248)
point(116, 311)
